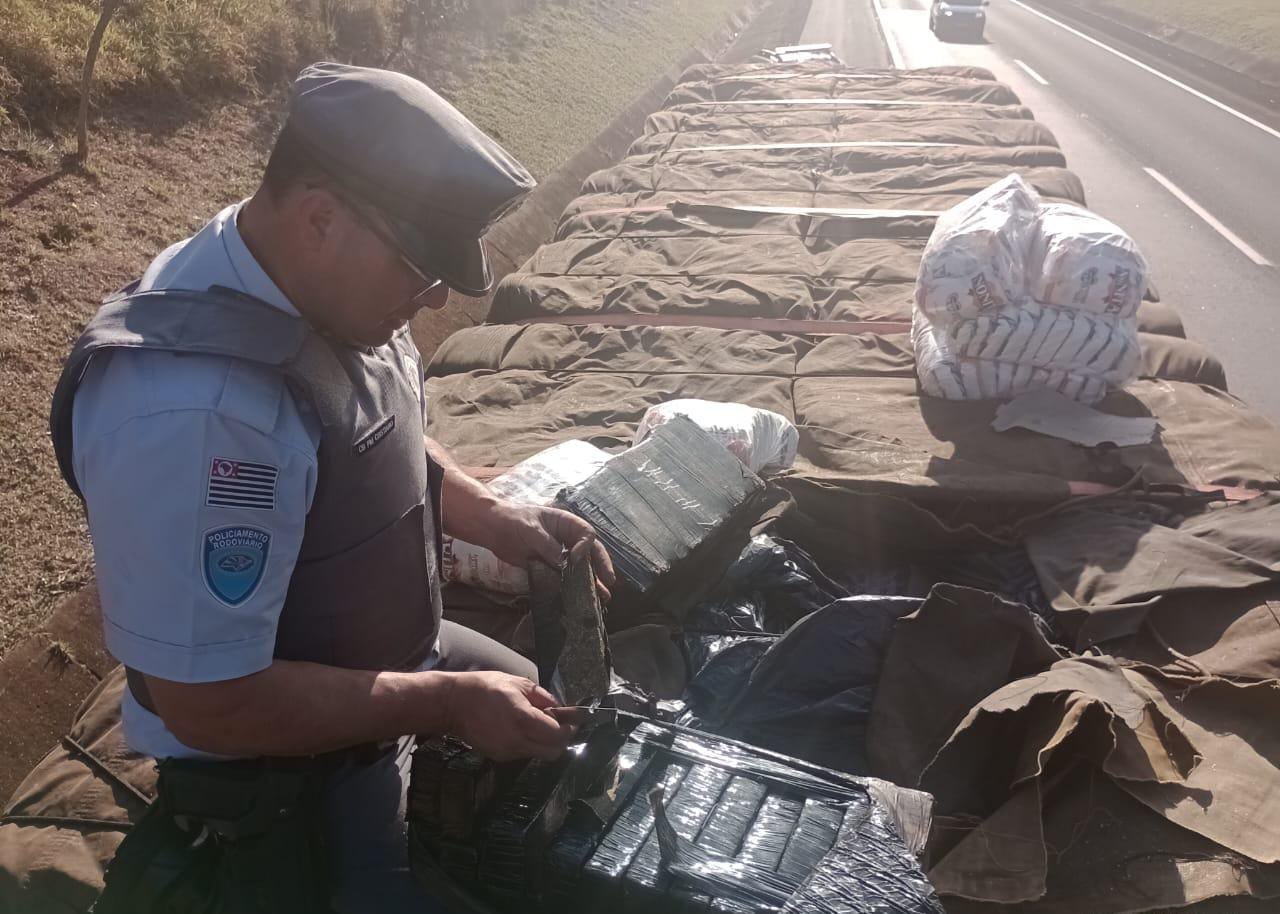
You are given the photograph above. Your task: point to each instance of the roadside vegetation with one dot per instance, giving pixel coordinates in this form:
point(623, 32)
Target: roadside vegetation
point(201, 48)
point(1250, 25)
point(187, 99)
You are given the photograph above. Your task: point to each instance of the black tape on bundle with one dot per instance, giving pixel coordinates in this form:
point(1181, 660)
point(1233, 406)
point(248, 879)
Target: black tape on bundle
point(521, 828)
point(815, 834)
point(834, 856)
point(589, 815)
point(751, 829)
point(646, 885)
point(602, 877)
point(867, 871)
point(713, 873)
point(664, 510)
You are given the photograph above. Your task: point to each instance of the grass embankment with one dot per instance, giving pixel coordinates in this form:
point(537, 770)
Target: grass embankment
point(544, 79)
point(1250, 25)
point(195, 47)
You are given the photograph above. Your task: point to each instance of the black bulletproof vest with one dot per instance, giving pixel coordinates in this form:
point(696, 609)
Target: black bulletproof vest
point(365, 591)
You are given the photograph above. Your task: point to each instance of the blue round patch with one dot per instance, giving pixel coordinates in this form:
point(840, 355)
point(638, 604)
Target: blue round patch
point(234, 560)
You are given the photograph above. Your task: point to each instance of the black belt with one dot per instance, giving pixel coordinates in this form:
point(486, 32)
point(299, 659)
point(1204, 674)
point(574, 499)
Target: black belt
point(360, 754)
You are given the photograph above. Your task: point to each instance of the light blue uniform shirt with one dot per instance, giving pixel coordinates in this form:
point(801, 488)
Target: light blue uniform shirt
point(149, 429)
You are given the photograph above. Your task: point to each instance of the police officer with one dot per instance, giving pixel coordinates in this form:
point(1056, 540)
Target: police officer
point(245, 426)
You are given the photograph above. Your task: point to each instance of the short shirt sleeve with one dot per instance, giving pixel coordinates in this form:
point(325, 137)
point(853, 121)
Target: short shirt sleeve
point(197, 492)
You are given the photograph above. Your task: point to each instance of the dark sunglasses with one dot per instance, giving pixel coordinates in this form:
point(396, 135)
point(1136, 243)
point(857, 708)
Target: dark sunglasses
point(369, 221)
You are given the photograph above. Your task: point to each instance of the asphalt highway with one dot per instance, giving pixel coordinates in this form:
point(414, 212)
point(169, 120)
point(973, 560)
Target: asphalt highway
point(1191, 170)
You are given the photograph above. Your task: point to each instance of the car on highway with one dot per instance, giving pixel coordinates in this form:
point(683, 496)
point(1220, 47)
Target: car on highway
point(950, 19)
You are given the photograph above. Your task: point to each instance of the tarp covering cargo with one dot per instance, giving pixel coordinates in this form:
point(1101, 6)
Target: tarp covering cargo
point(1086, 707)
point(906, 181)
point(1087, 670)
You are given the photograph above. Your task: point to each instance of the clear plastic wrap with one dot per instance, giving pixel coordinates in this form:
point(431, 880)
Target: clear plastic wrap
point(1080, 260)
point(537, 479)
point(867, 871)
point(1063, 317)
point(741, 830)
point(798, 852)
point(715, 872)
point(977, 256)
point(765, 441)
point(1025, 347)
point(667, 510)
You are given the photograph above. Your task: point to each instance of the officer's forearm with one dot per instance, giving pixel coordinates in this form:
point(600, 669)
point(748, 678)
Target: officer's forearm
point(294, 708)
point(465, 500)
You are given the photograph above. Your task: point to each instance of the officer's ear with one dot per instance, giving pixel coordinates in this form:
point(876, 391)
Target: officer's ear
point(321, 221)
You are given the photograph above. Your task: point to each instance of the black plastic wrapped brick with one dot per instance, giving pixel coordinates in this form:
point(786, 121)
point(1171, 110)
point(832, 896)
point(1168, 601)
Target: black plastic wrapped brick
point(601, 880)
point(588, 816)
point(521, 828)
point(766, 840)
point(645, 883)
point(868, 871)
point(664, 510)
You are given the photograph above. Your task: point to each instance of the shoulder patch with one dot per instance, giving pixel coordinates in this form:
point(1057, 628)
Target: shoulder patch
point(234, 559)
point(241, 484)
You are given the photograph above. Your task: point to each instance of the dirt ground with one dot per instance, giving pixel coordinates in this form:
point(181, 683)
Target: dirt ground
point(159, 170)
point(68, 237)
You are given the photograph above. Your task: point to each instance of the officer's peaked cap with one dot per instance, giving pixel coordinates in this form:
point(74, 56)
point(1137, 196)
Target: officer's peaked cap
point(436, 177)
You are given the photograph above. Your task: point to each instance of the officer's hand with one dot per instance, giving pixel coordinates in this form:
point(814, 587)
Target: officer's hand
point(504, 717)
point(520, 534)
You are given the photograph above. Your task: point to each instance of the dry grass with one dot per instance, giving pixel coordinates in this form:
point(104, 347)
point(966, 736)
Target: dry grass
point(567, 68)
point(66, 239)
point(1250, 25)
point(198, 48)
point(545, 81)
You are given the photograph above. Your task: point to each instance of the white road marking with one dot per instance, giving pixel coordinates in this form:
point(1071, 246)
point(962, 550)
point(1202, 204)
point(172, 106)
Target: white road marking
point(895, 53)
point(1152, 70)
point(1032, 73)
point(1208, 217)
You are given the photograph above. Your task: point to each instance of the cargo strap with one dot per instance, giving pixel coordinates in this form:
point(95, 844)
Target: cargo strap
point(850, 144)
point(769, 210)
point(723, 322)
point(834, 102)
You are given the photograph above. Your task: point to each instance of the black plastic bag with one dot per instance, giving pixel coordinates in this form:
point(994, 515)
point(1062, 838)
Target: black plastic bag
point(772, 585)
point(810, 693)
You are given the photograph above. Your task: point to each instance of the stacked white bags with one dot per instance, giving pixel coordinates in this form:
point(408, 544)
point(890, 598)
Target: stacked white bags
point(1015, 294)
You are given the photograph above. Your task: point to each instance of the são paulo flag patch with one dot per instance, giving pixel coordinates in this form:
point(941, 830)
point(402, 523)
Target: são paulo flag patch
point(241, 484)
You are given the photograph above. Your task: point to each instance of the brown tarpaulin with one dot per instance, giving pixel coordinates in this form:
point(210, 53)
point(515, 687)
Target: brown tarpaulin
point(1153, 553)
point(596, 348)
point(861, 158)
point(983, 131)
point(526, 296)
point(1201, 754)
point(707, 118)
point(890, 86)
point(73, 810)
point(905, 181)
